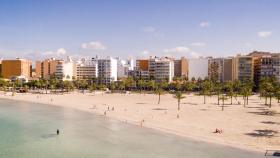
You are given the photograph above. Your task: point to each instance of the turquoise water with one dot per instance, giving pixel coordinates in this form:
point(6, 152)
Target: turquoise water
point(27, 130)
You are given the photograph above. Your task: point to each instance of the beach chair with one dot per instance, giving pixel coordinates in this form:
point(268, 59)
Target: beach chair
point(272, 153)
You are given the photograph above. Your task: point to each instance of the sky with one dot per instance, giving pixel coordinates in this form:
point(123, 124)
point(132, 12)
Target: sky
point(137, 28)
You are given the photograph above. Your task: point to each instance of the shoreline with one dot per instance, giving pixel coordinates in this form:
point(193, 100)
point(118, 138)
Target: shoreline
point(153, 119)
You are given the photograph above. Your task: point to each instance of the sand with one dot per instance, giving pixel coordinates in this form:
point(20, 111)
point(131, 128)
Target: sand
point(253, 128)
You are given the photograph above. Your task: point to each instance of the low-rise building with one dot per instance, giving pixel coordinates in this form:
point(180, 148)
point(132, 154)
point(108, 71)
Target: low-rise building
point(66, 70)
point(17, 68)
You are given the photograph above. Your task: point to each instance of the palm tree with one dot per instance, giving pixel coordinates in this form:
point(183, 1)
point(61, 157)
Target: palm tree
point(159, 92)
point(245, 92)
point(112, 87)
point(151, 85)
point(179, 96)
point(218, 89)
point(92, 87)
point(102, 87)
point(205, 89)
point(141, 84)
point(223, 98)
point(277, 95)
point(230, 90)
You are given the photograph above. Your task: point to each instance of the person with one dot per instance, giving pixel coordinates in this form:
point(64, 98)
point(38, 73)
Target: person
point(57, 132)
point(218, 131)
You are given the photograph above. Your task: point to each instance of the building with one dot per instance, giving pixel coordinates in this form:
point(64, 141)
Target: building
point(270, 66)
point(142, 64)
point(66, 70)
point(17, 68)
point(229, 69)
point(107, 70)
point(86, 69)
point(141, 71)
point(216, 69)
point(198, 68)
point(163, 69)
point(124, 66)
point(245, 68)
point(276, 66)
point(46, 68)
point(181, 67)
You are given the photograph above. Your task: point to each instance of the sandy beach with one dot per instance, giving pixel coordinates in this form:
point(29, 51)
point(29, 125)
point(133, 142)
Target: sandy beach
point(255, 127)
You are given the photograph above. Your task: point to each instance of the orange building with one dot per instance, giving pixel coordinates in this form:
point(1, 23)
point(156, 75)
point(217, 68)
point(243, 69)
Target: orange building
point(142, 64)
point(15, 68)
point(181, 67)
point(46, 68)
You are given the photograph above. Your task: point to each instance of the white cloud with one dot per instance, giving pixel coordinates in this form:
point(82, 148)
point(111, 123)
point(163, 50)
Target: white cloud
point(204, 24)
point(149, 29)
point(57, 53)
point(198, 44)
point(145, 52)
point(264, 34)
point(194, 55)
point(96, 45)
point(180, 49)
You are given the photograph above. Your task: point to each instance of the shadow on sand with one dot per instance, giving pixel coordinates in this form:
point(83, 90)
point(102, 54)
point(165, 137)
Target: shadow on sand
point(263, 133)
point(46, 136)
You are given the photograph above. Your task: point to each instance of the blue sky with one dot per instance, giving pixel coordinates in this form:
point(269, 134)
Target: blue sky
point(43, 28)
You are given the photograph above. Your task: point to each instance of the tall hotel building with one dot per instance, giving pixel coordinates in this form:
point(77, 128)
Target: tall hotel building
point(20, 68)
point(245, 68)
point(163, 69)
point(107, 70)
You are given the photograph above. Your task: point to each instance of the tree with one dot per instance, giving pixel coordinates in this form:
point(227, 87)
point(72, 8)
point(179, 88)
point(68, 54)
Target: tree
point(67, 85)
point(205, 89)
point(102, 87)
point(159, 92)
point(151, 85)
point(141, 84)
point(230, 90)
point(223, 98)
point(246, 90)
point(92, 87)
point(112, 87)
point(218, 88)
point(179, 96)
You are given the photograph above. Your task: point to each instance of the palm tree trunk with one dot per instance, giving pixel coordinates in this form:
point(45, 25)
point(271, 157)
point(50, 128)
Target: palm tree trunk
point(231, 99)
point(270, 101)
point(244, 98)
point(204, 99)
point(179, 105)
point(247, 100)
point(158, 98)
point(265, 100)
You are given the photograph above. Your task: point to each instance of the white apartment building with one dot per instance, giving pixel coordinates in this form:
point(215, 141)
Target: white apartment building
point(66, 70)
point(124, 66)
point(163, 69)
point(107, 70)
point(198, 68)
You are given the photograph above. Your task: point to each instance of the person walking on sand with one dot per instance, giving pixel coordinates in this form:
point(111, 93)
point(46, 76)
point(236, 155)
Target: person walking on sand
point(57, 132)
